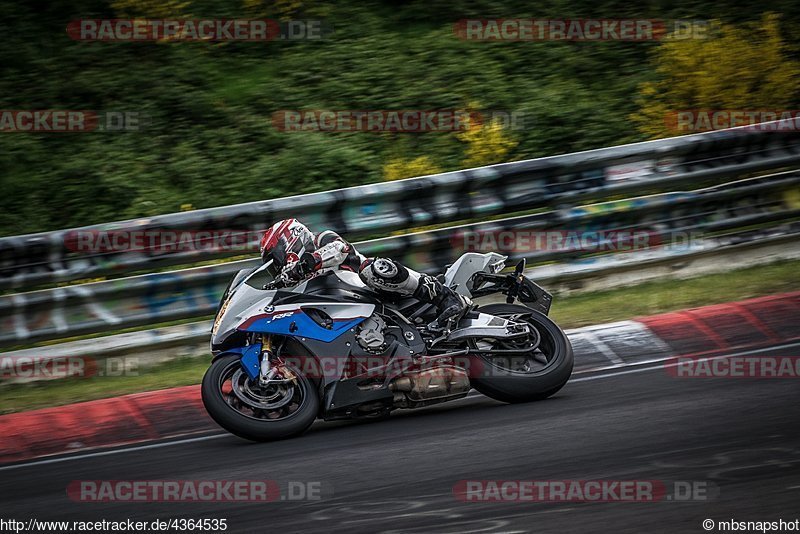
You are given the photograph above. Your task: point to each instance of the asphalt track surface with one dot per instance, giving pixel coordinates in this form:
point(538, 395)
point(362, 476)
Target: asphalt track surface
point(740, 436)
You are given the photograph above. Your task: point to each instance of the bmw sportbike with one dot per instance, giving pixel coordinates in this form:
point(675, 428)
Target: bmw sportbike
point(286, 354)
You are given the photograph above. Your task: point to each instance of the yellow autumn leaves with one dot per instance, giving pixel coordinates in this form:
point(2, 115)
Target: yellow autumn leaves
point(151, 9)
point(486, 142)
point(745, 67)
point(735, 68)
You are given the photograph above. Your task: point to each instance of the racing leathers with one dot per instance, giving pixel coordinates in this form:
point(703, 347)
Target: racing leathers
point(383, 275)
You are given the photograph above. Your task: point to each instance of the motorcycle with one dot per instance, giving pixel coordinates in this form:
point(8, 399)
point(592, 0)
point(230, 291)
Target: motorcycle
point(286, 354)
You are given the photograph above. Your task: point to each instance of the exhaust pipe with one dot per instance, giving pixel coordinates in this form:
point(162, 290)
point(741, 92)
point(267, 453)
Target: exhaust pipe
point(401, 384)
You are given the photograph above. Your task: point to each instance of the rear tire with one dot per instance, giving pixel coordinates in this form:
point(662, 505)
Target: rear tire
point(219, 407)
point(515, 386)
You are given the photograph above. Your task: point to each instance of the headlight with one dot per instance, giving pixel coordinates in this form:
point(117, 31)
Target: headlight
point(220, 313)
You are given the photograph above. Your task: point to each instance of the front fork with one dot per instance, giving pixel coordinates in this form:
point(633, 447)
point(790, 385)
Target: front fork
point(266, 371)
point(270, 372)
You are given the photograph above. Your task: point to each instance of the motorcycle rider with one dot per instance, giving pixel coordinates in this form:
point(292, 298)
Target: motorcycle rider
point(300, 254)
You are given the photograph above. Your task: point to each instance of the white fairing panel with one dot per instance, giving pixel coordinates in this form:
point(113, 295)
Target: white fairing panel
point(468, 264)
point(343, 311)
point(244, 301)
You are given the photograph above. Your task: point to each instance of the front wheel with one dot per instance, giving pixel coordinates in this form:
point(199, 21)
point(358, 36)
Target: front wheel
point(527, 375)
point(241, 406)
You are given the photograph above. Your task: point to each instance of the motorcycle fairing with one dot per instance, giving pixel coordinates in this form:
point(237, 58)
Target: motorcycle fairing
point(250, 358)
point(298, 323)
point(404, 342)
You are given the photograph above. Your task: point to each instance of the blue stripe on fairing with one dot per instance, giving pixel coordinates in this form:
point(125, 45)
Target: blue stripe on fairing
point(306, 327)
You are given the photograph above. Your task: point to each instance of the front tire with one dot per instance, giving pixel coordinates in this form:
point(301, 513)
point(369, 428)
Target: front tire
point(500, 383)
point(233, 401)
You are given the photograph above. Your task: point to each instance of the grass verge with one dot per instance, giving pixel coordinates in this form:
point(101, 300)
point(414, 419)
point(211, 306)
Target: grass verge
point(43, 394)
point(662, 296)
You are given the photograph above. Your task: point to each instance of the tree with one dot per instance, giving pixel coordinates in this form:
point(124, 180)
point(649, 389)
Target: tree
point(487, 143)
point(399, 168)
point(155, 9)
point(735, 68)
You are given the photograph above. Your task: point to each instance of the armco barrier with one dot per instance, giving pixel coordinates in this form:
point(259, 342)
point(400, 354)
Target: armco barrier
point(744, 208)
point(149, 347)
point(377, 209)
point(160, 297)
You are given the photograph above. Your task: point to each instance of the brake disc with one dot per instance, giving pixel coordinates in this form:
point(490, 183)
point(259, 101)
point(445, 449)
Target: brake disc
point(269, 398)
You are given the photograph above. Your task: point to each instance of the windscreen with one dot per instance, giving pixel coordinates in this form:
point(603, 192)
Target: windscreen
point(263, 276)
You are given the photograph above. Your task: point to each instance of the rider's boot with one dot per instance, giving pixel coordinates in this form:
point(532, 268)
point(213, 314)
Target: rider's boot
point(450, 305)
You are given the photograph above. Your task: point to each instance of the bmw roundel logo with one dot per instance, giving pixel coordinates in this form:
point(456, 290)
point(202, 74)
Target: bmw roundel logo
point(269, 309)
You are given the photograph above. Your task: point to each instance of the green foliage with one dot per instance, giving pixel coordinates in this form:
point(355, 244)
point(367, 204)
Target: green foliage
point(153, 9)
point(208, 138)
point(748, 67)
point(397, 169)
point(486, 144)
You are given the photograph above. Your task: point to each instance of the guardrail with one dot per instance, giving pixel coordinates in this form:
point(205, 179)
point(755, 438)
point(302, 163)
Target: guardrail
point(46, 258)
point(144, 348)
point(727, 211)
point(744, 208)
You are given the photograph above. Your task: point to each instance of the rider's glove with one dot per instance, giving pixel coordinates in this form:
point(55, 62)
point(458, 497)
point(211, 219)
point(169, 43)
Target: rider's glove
point(298, 270)
point(295, 271)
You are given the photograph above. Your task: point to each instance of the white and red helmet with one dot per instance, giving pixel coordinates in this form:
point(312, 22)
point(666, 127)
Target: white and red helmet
point(286, 241)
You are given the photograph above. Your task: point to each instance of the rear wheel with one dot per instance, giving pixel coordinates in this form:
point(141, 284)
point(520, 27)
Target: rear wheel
point(533, 368)
point(245, 408)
